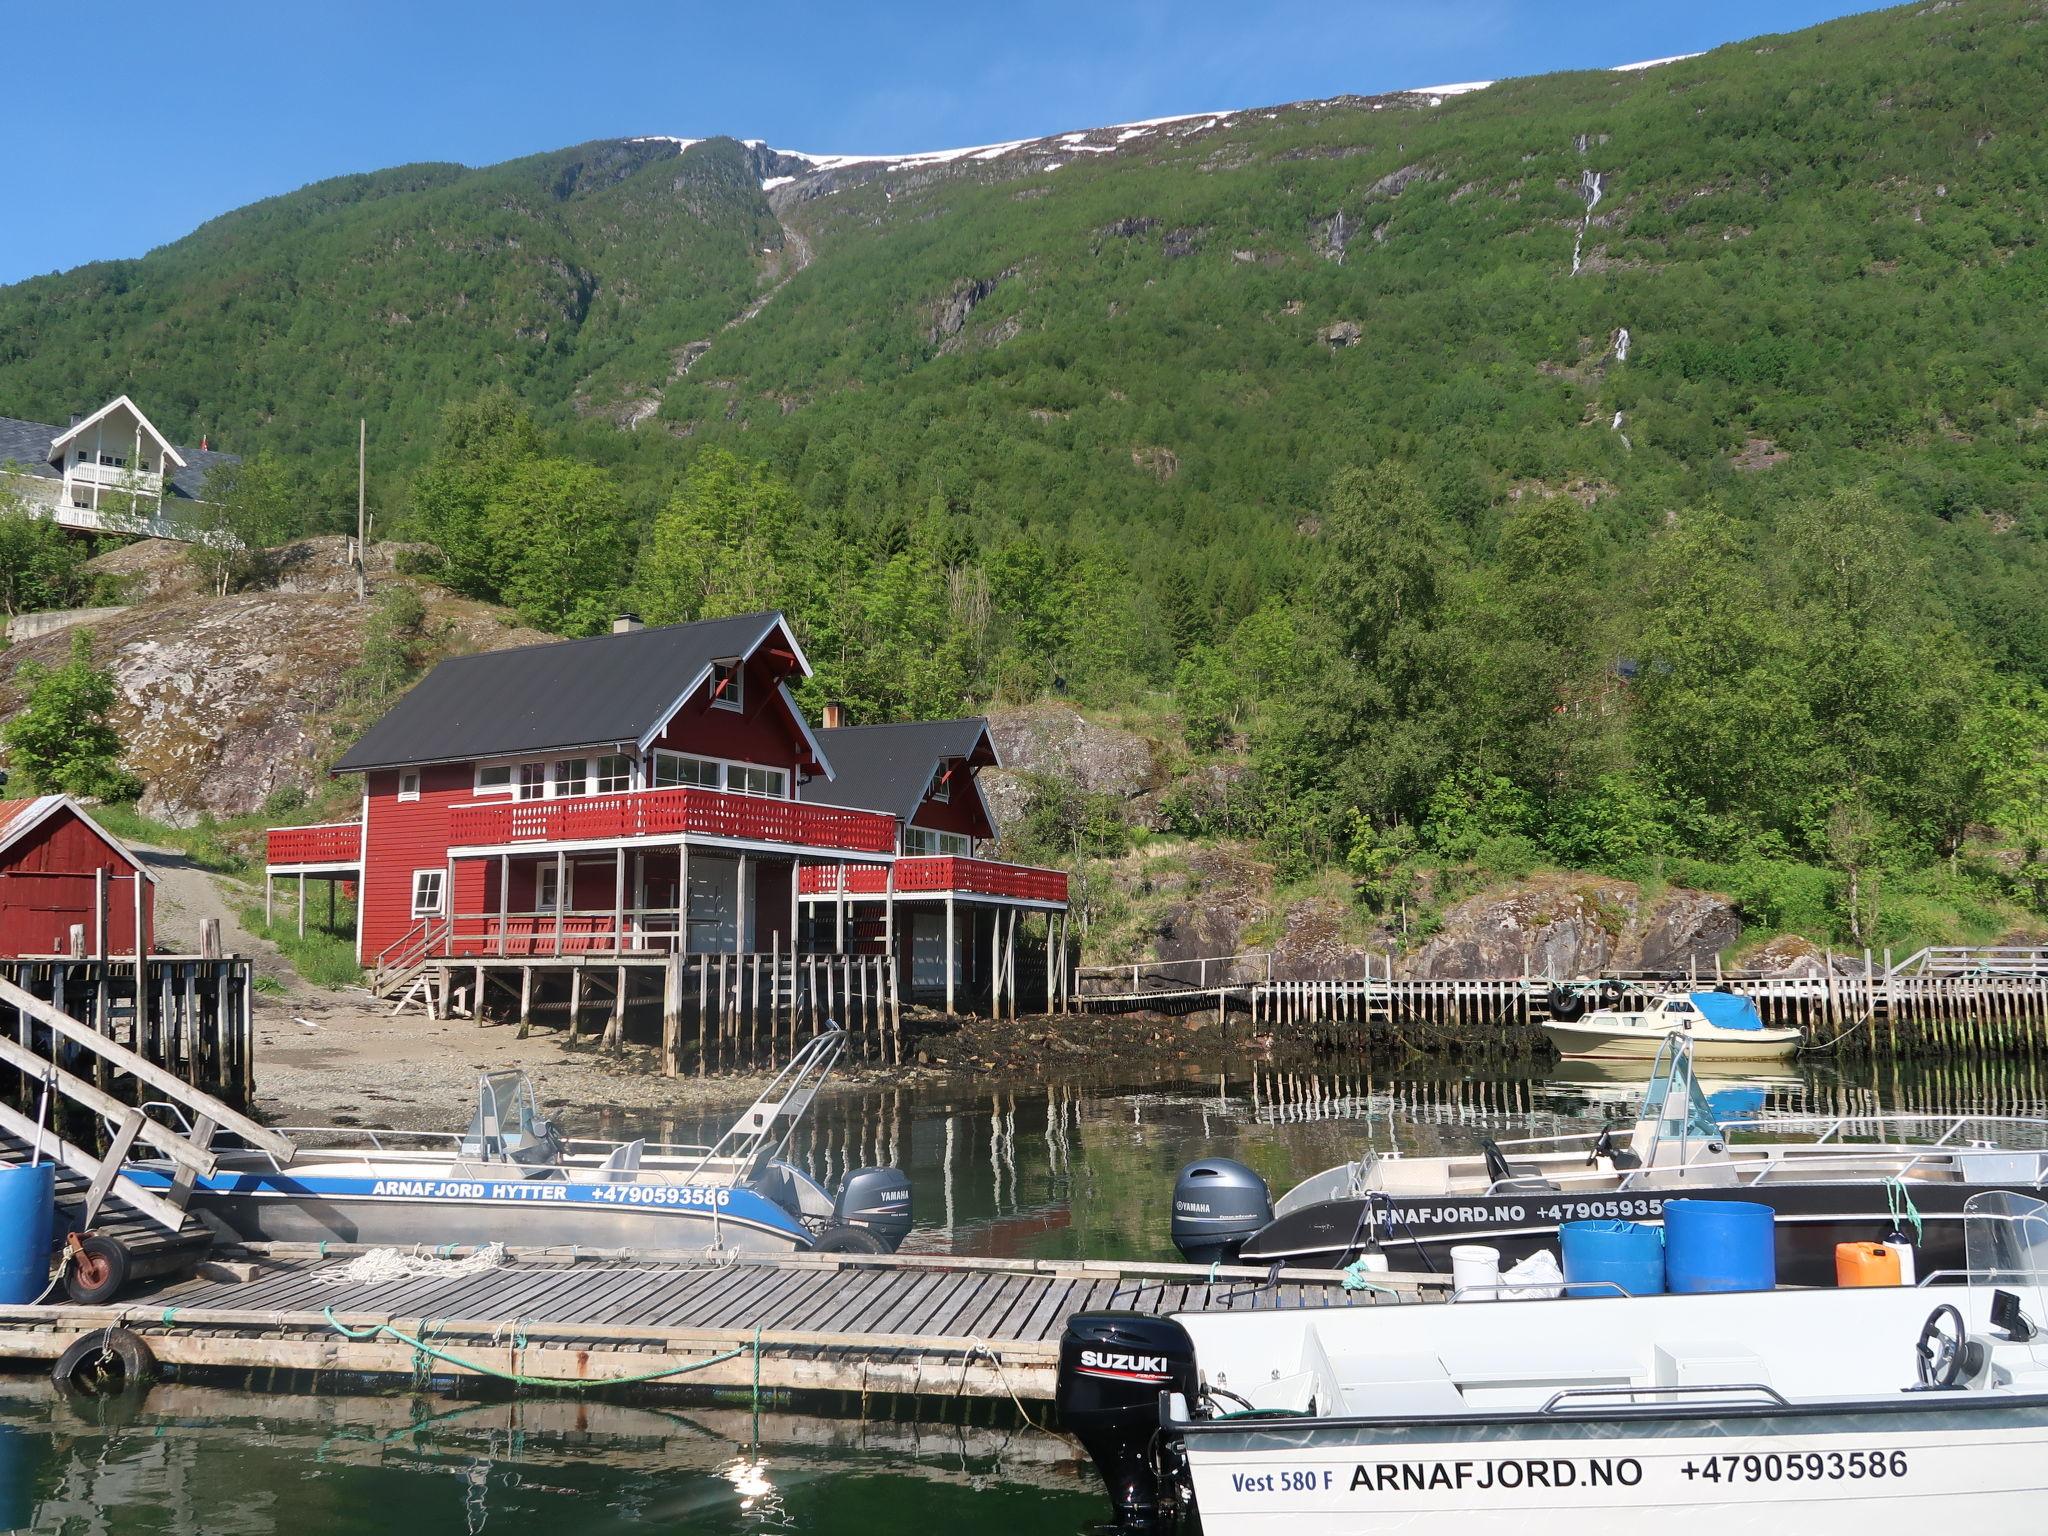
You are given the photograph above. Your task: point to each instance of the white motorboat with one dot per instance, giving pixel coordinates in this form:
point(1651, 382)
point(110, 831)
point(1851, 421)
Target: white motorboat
point(513, 1178)
point(1721, 1026)
point(1830, 1178)
point(1807, 1411)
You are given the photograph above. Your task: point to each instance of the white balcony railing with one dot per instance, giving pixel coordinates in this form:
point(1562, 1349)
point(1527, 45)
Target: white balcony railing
point(113, 477)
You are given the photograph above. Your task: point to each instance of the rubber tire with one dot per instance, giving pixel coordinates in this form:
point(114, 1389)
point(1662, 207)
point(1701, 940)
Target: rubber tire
point(1565, 1006)
point(106, 1363)
point(1612, 992)
point(98, 1275)
point(848, 1240)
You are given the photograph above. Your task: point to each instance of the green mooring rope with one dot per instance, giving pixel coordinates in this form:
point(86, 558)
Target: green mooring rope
point(1900, 1199)
point(422, 1348)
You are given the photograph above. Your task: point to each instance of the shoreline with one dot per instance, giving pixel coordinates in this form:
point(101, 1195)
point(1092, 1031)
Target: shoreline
point(340, 1059)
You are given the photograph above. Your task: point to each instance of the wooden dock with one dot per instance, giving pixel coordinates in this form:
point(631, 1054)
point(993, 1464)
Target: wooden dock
point(871, 1326)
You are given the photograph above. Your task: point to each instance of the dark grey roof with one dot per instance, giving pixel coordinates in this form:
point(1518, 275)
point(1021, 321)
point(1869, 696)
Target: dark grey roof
point(27, 443)
point(571, 693)
point(889, 767)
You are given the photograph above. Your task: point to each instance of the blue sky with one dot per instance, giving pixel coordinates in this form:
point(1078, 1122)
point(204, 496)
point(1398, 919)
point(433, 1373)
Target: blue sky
point(174, 113)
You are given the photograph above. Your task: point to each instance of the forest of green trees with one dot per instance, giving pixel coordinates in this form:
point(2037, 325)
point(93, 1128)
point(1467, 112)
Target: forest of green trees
point(1295, 432)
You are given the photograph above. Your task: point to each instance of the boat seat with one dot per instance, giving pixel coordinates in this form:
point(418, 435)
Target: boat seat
point(1524, 1184)
point(1411, 1176)
point(1396, 1385)
point(624, 1163)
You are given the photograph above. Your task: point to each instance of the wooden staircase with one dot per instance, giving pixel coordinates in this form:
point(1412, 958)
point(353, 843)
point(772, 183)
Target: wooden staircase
point(40, 1054)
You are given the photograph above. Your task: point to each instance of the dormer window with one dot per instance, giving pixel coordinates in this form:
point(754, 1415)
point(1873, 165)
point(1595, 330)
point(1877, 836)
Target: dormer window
point(727, 685)
point(941, 788)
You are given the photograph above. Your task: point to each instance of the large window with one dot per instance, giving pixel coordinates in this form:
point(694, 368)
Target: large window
point(749, 780)
point(533, 781)
point(728, 682)
point(426, 892)
point(673, 770)
point(924, 841)
point(572, 776)
point(614, 774)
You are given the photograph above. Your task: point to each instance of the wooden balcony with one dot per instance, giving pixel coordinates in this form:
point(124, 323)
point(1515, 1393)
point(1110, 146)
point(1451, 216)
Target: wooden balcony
point(325, 846)
point(940, 875)
point(659, 813)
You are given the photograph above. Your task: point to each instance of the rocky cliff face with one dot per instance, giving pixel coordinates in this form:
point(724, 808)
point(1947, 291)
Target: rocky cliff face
point(1050, 738)
point(1571, 925)
point(224, 701)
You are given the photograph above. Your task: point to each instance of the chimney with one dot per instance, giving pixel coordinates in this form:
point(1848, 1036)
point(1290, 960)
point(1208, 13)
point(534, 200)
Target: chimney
point(835, 716)
point(626, 623)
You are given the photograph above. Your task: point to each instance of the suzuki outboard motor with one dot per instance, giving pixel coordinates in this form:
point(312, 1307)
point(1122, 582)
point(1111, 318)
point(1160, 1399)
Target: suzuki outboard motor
point(1113, 1366)
point(1217, 1206)
point(877, 1199)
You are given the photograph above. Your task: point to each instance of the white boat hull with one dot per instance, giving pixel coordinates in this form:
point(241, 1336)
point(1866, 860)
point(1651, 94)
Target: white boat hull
point(1851, 1475)
point(1617, 1037)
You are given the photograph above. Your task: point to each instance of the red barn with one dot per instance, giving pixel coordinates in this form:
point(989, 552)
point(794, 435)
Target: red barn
point(59, 869)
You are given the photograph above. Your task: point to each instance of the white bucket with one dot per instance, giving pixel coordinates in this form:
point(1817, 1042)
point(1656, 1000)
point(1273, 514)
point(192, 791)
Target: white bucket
point(1476, 1268)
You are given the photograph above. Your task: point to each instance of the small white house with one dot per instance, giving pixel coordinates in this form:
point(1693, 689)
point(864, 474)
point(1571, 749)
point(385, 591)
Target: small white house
point(110, 472)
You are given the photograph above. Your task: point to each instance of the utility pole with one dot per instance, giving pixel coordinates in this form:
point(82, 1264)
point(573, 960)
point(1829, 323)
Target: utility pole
point(362, 523)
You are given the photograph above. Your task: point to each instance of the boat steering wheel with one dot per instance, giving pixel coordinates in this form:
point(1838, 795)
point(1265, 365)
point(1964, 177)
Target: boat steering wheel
point(1940, 1353)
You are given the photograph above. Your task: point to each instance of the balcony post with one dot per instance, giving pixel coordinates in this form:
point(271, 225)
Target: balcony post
point(302, 903)
point(1010, 957)
point(619, 903)
point(949, 954)
point(795, 924)
point(561, 896)
point(889, 915)
point(683, 930)
point(504, 899)
point(840, 905)
point(739, 910)
point(268, 883)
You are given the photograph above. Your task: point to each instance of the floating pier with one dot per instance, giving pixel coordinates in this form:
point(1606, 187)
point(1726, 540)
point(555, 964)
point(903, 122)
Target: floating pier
point(903, 1324)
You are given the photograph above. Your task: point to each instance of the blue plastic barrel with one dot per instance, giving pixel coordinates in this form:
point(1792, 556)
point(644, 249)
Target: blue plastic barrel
point(27, 1199)
point(1624, 1253)
point(1719, 1245)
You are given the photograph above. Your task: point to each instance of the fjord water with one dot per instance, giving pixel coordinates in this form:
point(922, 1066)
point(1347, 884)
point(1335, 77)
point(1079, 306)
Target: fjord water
point(1070, 1168)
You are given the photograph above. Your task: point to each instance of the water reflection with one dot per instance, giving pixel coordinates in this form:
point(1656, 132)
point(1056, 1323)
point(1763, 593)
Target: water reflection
point(197, 1459)
point(1073, 1168)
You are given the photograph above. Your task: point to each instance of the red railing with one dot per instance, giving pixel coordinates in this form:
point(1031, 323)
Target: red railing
point(928, 876)
point(671, 812)
point(336, 842)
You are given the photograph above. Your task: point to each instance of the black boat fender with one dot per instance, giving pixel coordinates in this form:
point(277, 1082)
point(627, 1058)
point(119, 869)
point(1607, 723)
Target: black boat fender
point(848, 1240)
point(105, 1363)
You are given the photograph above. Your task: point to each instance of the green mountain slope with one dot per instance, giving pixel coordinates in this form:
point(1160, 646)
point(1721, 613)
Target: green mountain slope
point(1605, 467)
point(386, 295)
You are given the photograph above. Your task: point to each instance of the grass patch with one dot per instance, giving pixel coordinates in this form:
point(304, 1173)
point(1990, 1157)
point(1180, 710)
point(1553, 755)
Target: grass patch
point(325, 956)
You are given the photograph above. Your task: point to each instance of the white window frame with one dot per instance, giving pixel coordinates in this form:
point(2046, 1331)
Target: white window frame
point(930, 842)
point(716, 765)
point(544, 876)
point(504, 786)
point(522, 779)
point(439, 881)
point(941, 786)
point(734, 697)
point(408, 784)
point(624, 776)
point(780, 776)
point(561, 787)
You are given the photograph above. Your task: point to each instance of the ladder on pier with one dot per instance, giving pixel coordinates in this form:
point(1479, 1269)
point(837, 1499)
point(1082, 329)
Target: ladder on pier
point(56, 1059)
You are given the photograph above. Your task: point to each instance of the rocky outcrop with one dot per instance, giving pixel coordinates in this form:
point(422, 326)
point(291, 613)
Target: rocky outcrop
point(221, 702)
point(1050, 738)
point(1562, 925)
point(949, 315)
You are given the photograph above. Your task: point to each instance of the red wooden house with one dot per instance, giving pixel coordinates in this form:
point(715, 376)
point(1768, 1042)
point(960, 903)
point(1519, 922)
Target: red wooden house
point(59, 870)
point(640, 793)
point(954, 924)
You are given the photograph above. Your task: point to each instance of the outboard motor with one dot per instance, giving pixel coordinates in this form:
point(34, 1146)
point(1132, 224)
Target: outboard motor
point(1113, 1366)
point(877, 1200)
point(1217, 1206)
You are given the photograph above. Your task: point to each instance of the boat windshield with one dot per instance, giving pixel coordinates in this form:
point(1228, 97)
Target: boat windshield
point(2005, 1245)
point(1674, 1102)
point(508, 1126)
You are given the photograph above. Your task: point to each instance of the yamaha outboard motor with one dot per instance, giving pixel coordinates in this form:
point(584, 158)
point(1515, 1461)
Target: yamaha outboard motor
point(877, 1199)
point(1113, 1366)
point(1217, 1206)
